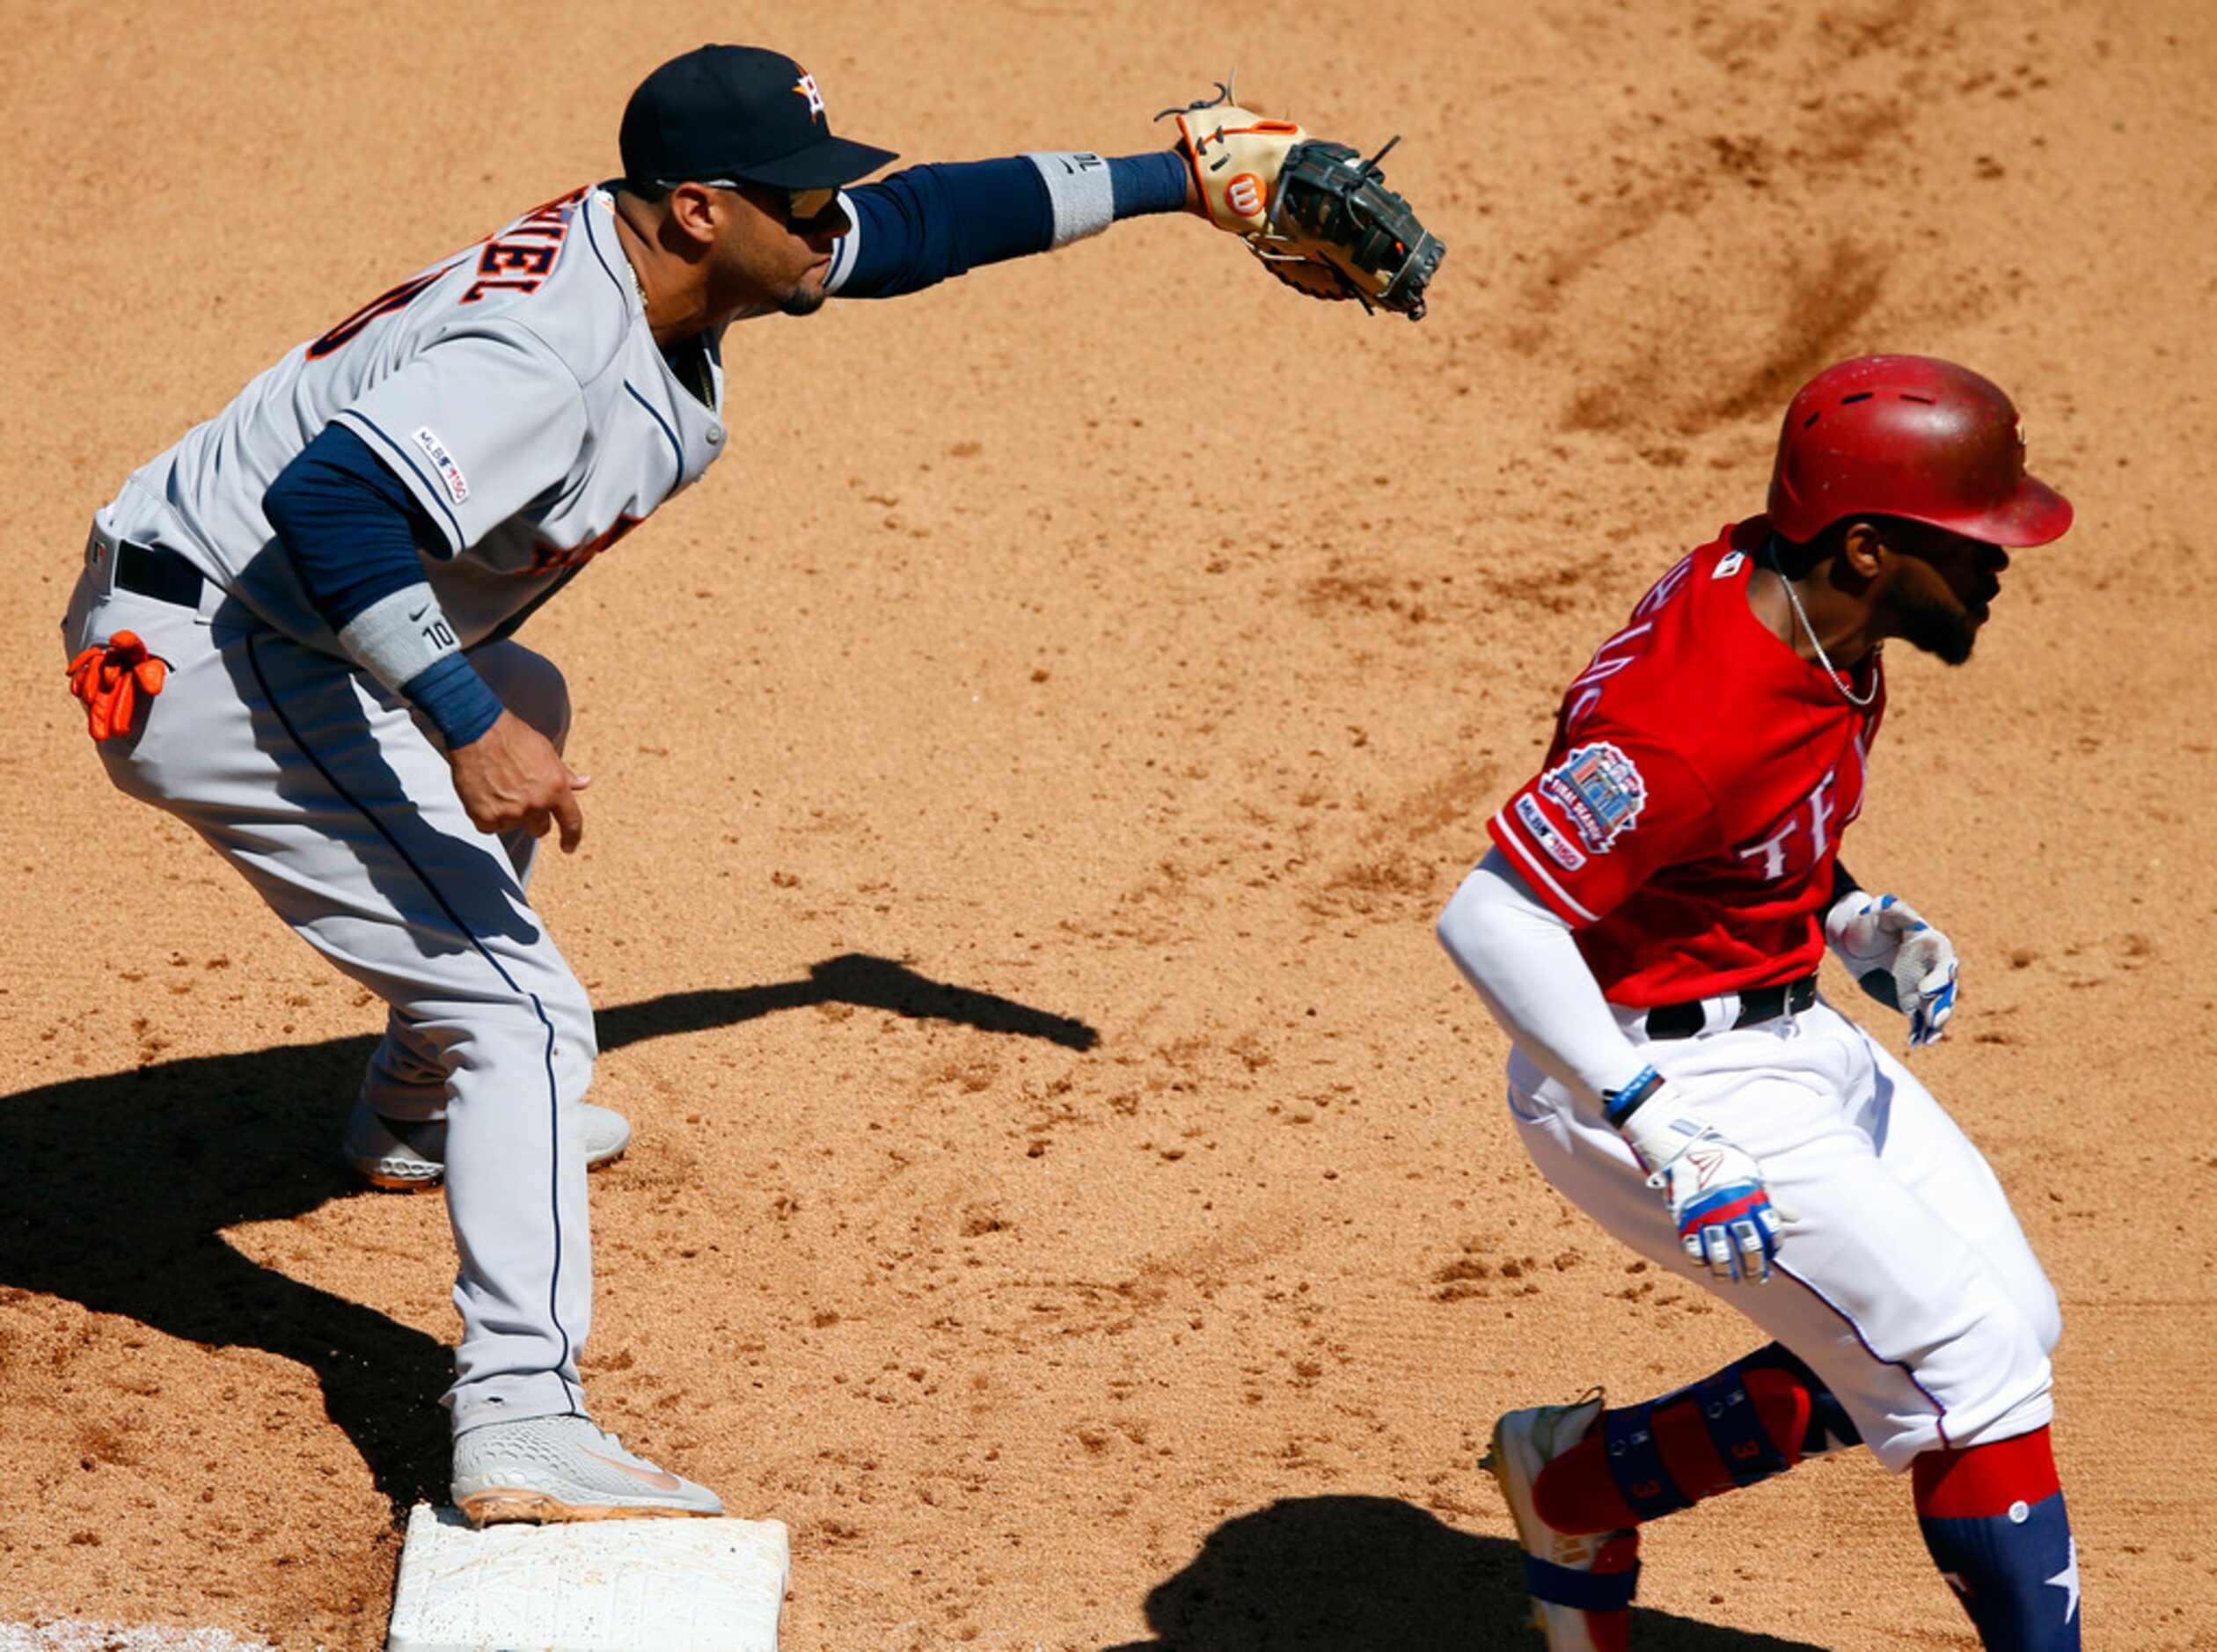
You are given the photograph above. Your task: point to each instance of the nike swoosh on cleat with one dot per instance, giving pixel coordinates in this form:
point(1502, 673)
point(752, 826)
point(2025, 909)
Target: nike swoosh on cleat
point(659, 1479)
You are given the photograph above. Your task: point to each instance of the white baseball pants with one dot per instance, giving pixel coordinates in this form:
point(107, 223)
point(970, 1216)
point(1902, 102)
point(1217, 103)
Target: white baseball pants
point(1904, 1280)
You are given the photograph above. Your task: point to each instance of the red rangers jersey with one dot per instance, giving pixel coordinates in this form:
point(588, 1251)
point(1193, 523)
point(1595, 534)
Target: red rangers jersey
point(1690, 811)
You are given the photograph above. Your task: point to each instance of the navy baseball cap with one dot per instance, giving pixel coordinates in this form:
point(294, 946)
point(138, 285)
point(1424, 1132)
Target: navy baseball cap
point(741, 113)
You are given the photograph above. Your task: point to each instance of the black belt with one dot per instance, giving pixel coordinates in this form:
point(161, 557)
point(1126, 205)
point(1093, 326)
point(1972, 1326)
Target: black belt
point(158, 572)
point(1757, 1003)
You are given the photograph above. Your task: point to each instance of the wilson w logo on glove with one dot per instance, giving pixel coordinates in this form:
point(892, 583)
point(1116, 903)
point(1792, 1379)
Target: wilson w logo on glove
point(1317, 214)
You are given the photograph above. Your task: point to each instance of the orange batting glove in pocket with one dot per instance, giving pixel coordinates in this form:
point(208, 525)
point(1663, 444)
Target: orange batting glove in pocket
point(109, 677)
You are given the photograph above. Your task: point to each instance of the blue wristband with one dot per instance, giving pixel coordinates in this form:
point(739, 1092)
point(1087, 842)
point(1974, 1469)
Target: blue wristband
point(1154, 182)
point(455, 698)
point(1617, 1106)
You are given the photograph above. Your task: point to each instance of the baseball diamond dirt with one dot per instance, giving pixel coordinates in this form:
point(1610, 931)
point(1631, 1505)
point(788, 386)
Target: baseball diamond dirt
point(1070, 1188)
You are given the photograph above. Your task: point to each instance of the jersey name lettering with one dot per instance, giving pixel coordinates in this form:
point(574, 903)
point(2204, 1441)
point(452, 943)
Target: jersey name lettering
point(523, 256)
point(1616, 654)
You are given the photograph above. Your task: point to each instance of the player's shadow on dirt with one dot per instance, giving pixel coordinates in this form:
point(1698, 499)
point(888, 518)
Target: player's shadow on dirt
point(1372, 1574)
point(121, 1185)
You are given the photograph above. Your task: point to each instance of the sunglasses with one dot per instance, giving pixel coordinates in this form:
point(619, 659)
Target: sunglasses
point(801, 205)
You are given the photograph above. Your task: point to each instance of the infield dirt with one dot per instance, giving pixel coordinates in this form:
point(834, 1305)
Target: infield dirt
point(1071, 1187)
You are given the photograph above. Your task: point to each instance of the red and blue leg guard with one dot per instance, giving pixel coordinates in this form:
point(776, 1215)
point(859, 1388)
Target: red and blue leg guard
point(1757, 1417)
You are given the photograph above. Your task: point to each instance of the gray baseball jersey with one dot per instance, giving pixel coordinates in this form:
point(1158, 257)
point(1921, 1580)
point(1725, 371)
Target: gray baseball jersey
point(517, 391)
point(515, 387)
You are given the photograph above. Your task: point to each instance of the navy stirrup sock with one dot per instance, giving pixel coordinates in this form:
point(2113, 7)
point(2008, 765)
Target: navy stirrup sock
point(1995, 1524)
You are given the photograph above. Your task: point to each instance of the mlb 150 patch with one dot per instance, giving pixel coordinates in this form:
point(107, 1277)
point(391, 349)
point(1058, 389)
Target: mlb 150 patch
point(1560, 849)
point(457, 485)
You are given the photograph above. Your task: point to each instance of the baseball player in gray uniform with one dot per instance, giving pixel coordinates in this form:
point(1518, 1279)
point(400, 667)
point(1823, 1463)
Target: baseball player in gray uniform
point(292, 632)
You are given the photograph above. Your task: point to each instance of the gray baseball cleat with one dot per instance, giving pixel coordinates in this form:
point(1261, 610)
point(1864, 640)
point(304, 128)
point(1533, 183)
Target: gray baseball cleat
point(549, 1469)
point(409, 1156)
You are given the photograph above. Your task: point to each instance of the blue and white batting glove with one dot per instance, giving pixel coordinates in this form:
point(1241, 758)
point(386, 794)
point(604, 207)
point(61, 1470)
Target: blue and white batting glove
point(1713, 1188)
point(1898, 959)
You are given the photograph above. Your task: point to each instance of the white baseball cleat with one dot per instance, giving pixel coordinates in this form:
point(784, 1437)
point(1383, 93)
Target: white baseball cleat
point(408, 1157)
point(545, 1470)
point(1581, 1583)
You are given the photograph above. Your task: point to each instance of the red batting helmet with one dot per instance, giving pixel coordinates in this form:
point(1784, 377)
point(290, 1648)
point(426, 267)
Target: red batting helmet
point(1907, 436)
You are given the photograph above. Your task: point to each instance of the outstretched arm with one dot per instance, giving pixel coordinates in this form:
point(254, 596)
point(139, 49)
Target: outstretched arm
point(1315, 212)
point(920, 226)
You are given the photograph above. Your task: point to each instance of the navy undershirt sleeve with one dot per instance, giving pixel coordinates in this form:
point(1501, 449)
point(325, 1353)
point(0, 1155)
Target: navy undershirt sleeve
point(349, 524)
point(927, 223)
point(924, 224)
point(354, 531)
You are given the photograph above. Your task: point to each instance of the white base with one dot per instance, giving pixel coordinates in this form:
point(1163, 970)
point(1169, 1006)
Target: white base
point(688, 1585)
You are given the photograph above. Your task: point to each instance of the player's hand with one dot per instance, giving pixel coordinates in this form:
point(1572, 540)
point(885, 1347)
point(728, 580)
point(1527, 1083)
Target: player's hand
point(1713, 1188)
point(511, 775)
point(1898, 958)
point(1232, 158)
point(1724, 1211)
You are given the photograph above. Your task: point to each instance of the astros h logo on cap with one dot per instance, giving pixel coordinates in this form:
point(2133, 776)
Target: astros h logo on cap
point(738, 112)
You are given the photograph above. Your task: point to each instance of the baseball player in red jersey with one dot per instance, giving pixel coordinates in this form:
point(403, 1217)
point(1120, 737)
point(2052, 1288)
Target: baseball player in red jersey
point(1647, 928)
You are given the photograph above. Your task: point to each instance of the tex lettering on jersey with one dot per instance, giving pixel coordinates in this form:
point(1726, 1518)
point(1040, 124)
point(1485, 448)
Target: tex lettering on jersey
point(1807, 836)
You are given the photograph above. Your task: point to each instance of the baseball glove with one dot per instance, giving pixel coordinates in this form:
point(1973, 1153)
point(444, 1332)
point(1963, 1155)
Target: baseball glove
point(1317, 214)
